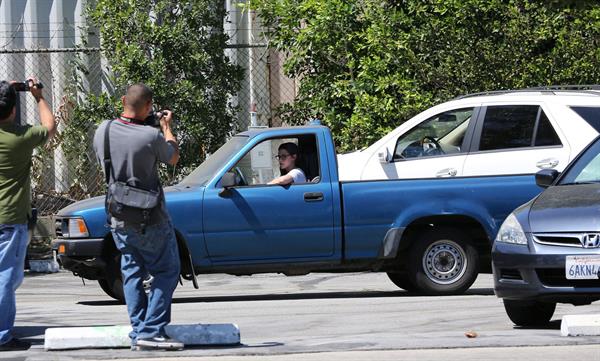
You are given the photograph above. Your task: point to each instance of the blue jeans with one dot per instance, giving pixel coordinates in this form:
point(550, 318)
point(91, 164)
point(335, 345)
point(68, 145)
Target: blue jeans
point(13, 247)
point(154, 252)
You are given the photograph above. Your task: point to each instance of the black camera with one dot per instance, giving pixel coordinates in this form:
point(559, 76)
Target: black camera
point(153, 119)
point(24, 86)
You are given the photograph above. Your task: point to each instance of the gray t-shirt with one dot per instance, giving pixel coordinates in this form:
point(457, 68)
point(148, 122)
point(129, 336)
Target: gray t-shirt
point(135, 151)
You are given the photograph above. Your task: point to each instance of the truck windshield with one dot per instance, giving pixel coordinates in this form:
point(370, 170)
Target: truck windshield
point(205, 171)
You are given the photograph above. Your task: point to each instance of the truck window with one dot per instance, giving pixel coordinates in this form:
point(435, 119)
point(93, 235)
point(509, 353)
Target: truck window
point(438, 135)
point(516, 126)
point(261, 164)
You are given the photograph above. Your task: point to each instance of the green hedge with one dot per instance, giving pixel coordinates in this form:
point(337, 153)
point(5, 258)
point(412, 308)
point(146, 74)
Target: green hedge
point(368, 65)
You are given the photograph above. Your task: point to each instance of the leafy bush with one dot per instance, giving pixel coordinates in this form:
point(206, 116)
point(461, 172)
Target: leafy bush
point(368, 65)
point(177, 49)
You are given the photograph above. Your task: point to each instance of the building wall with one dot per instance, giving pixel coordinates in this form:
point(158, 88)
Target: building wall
point(264, 87)
point(31, 34)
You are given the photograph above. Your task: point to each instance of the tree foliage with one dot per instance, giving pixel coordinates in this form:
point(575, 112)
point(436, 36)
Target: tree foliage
point(368, 65)
point(176, 48)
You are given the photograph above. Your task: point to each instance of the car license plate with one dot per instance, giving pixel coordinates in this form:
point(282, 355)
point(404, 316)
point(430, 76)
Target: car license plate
point(582, 267)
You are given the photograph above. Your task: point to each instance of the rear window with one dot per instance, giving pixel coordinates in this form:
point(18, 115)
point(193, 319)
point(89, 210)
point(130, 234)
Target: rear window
point(590, 115)
point(516, 126)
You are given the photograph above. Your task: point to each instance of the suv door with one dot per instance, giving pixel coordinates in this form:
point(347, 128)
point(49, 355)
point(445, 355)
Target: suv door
point(515, 139)
point(437, 147)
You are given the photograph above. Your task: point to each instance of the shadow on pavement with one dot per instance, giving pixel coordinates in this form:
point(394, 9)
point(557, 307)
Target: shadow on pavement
point(552, 325)
point(241, 345)
point(29, 331)
point(298, 296)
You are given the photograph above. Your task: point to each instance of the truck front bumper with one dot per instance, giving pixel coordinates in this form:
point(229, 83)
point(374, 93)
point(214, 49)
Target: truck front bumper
point(81, 256)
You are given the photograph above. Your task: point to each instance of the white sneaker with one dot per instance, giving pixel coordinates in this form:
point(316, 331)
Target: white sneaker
point(158, 343)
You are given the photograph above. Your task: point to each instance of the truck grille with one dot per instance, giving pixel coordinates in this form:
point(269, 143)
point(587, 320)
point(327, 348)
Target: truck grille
point(58, 227)
point(562, 239)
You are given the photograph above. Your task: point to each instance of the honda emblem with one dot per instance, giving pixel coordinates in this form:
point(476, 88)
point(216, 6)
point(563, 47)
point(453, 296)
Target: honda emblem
point(590, 240)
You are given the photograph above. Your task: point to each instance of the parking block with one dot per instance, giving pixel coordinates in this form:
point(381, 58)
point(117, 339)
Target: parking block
point(65, 338)
point(580, 325)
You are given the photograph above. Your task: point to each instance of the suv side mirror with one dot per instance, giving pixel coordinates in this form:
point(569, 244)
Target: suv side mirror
point(384, 156)
point(546, 177)
point(228, 181)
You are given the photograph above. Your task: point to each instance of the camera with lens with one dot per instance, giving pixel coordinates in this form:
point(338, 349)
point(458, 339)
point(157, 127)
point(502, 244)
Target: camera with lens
point(24, 86)
point(153, 119)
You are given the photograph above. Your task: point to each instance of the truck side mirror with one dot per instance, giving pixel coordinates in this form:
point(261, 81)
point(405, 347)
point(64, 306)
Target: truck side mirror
point(228, 181)
point(546, 177)
point(384, 156)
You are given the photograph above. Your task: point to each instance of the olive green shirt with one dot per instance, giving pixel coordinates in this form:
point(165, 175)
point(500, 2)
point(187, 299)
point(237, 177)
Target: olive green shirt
point(16, 148)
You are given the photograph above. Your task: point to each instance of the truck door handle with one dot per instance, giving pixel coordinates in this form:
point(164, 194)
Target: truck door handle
point(313, 196)
point(448, 172)
point(547, 163)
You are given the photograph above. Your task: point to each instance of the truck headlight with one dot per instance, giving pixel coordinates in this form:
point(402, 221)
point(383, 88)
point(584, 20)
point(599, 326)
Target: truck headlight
point(76, 228)
point(511, 231)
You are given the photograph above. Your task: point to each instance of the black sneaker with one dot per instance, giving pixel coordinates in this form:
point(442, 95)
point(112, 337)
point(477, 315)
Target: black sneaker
point(158, 343)
point(15, 345)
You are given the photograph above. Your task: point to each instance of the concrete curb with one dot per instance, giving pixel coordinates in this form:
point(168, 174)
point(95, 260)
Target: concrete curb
point(580, 325)
point(65, 338)
point(43, 266)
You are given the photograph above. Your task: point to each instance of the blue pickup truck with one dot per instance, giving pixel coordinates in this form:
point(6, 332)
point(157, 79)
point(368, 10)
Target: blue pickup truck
point(431, 236)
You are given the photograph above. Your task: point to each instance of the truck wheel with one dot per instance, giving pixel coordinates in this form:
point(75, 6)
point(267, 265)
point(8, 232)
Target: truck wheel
point(529, 313)
point(443, 262)
point(112, 285)
point(402, 280)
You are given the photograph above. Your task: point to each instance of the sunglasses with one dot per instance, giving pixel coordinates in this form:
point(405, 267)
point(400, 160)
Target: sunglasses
point(283, 156)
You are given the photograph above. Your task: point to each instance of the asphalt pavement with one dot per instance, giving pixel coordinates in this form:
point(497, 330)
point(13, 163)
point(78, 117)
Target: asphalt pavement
point(357, 316)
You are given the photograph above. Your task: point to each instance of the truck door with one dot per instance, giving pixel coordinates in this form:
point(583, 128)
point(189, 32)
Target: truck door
point(258, 222)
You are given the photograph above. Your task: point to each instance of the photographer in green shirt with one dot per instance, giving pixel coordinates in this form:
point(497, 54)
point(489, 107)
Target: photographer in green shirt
point(16, 148)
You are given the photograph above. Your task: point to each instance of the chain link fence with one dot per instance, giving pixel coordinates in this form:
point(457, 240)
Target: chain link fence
point(66, 170)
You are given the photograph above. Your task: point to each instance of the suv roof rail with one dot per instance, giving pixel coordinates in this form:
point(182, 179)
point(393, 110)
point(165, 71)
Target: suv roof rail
point(551, 89)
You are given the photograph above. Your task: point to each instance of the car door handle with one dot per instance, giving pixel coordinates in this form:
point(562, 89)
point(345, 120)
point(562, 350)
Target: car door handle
point(448, 172)
point(313, 196)
point(547, 163)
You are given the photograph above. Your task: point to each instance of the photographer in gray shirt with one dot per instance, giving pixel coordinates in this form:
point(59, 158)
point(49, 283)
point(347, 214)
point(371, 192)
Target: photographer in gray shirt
point(148, 246)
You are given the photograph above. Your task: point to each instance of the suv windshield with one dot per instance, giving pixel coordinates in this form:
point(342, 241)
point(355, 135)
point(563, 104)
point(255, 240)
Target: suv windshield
point(587, 168)
point(205, 171)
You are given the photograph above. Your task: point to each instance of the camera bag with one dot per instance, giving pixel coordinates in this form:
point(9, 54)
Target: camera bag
point(127, 203)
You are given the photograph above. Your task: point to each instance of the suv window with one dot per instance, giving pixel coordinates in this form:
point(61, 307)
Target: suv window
point(545, 135)
point(590, 115)
point(516, 126)
point(441, 134)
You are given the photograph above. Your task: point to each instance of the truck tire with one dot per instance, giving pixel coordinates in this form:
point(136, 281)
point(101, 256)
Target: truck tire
point(402, 280)
point(443, 262)
point(112, 284)
point(529, 313)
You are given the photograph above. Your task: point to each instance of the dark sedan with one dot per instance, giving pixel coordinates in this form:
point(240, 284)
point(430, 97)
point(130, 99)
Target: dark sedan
point(547, 251)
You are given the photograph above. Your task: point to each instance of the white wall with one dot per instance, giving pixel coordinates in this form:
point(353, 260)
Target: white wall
point(43, 25)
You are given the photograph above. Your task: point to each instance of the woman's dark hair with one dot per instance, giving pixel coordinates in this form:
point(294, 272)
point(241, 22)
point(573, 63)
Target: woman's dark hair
point(292, 149)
